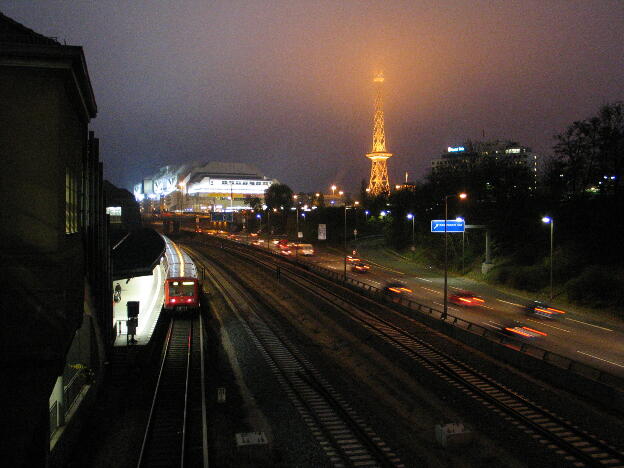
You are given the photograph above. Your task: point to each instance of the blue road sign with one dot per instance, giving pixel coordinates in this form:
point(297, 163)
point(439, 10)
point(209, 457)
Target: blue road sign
point(452, 225)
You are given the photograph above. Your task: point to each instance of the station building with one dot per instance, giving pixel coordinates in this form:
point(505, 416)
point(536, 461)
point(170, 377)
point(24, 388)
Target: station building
point(54, 231)
point(202, 187)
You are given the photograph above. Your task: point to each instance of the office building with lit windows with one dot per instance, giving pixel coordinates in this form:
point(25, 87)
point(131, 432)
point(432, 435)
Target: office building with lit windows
point(474, 152)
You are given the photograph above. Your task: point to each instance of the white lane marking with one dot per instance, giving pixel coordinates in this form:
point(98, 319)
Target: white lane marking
point(589, 324)
point(384, 267)
point(449, 308)
point(488, 307)
point(424, 279)
point(546, 325)
point(493, 325)
point(600, 359)
point(432, 290)
point(512, 303)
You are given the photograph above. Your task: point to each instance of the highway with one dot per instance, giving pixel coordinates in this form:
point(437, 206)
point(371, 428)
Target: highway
point(572, 335)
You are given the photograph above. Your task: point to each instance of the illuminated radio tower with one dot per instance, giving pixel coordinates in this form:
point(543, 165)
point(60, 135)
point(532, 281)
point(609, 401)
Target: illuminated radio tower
point(379, 171)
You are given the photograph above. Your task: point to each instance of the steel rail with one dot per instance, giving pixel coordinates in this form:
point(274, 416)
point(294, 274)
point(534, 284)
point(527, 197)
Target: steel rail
point(306, 374)
point(584, 448)
point(164, 406)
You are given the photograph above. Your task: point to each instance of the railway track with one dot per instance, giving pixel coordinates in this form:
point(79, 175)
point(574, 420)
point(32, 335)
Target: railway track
point(179, 389)
point(570, 443)
point(346, 438)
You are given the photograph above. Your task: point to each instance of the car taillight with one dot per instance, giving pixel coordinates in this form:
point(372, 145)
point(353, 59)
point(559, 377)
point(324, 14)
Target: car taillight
point(556, 310)
point(539, 309)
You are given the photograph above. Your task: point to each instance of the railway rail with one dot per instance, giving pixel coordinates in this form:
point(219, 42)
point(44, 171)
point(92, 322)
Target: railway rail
point(573, 445)
point(179, 386)
point(345, 437)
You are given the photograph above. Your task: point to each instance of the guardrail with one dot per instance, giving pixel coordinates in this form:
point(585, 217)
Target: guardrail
point(484, 338)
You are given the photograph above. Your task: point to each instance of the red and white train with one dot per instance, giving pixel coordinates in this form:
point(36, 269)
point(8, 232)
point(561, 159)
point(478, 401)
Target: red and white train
point(182, 294)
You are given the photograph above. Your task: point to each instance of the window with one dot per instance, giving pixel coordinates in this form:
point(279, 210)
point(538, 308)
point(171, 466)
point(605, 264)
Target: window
point(71, 202)
point(115, 214)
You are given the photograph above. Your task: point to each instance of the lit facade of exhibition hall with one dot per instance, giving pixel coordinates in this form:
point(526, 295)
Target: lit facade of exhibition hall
point(202, 187)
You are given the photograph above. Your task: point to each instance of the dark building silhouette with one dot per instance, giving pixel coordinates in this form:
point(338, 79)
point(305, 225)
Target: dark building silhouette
point(56, 269)
point(123, 210)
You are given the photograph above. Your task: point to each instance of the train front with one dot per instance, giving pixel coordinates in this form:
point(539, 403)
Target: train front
point(182, 294)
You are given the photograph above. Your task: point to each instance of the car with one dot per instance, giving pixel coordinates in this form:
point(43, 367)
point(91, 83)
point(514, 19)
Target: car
point(396, 288)
point(522, 332)
point(466, 299)
point(353, 259)
point(542, 310)
point(256, 242)
point(360, 267)
point(254, 234)
point(285, 251)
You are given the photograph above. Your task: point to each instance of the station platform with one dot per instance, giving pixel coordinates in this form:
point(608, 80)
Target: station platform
point(149, 292)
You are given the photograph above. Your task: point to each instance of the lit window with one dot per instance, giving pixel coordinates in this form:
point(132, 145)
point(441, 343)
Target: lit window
point(71, 202)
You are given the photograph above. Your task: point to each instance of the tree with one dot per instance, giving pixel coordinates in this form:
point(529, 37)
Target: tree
point(279, 196)
point(254, 203)
point(589, 154)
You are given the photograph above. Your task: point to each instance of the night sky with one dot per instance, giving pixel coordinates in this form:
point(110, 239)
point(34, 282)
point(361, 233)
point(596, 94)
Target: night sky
point(287, 86)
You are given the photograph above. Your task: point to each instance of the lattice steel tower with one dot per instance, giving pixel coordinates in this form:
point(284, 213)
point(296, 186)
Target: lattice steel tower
point(379, 156)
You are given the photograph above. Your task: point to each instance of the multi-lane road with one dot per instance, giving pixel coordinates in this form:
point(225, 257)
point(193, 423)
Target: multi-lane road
point(599, 344)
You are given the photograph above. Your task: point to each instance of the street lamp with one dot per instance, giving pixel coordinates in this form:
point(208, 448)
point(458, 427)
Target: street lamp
point(412, 217)
point(333, 189)
point(549, 220)
point(345, 241)
point(297, 219)
point(461, 196)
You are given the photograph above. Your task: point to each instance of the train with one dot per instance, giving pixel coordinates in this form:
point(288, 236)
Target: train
point(182, 287)
point(182, 294)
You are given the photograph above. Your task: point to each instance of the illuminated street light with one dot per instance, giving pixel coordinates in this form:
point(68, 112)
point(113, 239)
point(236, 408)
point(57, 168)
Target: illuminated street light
point(412, 217)
point(340, 193)
point(461, 196)
point(333, 189)
point(549, 220)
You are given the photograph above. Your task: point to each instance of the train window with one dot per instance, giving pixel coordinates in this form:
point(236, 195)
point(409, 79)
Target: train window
point(182, 288)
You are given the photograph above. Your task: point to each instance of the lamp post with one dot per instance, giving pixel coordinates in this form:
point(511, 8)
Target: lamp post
point(297, 218)
point(461, 196)
point(411, 216)
point(549, 220)
point(345, 243)
point(268, 226)
point(333, 189)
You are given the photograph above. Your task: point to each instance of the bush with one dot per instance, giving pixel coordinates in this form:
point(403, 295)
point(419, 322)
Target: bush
point(499, 274)
point(597, 286)
point(529, 278)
